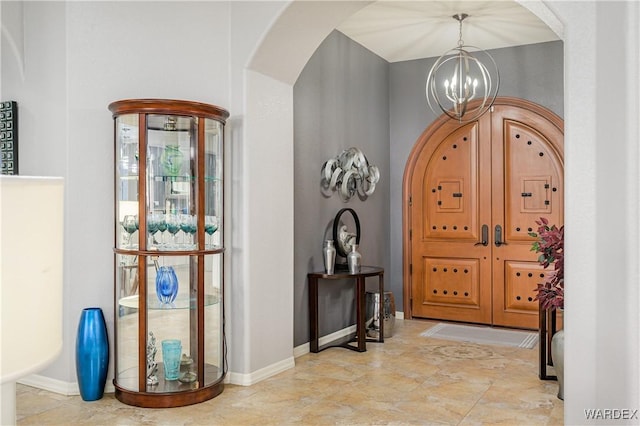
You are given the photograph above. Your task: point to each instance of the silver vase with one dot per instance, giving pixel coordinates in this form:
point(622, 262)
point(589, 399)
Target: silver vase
point(557, 356)
point(354, 260)
point(329, 253)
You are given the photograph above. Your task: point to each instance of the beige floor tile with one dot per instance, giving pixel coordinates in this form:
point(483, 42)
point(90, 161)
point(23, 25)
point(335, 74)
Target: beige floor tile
point(408, 380)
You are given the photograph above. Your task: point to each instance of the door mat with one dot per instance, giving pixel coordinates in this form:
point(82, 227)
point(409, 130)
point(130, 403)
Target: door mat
point(482, 335)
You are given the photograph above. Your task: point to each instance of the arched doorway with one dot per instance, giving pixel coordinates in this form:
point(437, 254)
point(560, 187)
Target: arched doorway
point(268, 82)
point(475, 191)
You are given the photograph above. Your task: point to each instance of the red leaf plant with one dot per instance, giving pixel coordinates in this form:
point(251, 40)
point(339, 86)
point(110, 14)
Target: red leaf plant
point(550, 245)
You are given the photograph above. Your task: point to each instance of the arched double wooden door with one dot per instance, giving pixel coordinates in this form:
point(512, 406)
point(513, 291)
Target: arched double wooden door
point(472, 194)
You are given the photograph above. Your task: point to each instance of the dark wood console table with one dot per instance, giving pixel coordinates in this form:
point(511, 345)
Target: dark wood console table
point(548, 325)
point(359, 279)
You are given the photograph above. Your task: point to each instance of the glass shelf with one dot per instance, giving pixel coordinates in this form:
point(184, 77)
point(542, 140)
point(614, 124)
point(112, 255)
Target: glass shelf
point(181, 302)
point(188, 179)
point(129, 377)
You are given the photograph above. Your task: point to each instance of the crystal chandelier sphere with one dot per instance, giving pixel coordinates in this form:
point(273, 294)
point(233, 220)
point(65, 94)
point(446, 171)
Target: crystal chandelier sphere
point(461, 75)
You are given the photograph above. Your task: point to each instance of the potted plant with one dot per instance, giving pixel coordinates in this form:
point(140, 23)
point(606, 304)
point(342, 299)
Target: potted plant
point(550, 244)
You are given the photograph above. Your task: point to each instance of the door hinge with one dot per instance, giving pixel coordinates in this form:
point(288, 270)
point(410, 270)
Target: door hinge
point(410, 234)
point(410, 201)
point(411, 269)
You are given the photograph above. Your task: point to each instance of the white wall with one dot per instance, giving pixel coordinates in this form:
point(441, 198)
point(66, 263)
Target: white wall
point(602, 224)
point(33, 41)
point(38, 78)
point(261, 199)
point(72, 59)
point(118, 51)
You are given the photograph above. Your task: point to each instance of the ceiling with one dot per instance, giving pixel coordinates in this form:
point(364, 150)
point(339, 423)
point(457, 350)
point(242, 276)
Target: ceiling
point(406, 30)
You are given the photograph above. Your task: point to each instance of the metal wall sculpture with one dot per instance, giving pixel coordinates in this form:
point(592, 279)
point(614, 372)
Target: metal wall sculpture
point(349, 174)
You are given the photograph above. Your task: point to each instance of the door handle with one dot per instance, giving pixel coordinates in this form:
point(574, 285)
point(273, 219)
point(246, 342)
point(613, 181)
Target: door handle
point(485, 236)
point(498, 236)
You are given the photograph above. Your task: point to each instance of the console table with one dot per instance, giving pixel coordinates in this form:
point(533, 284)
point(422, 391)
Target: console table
point(359, 280)
point(548, 326)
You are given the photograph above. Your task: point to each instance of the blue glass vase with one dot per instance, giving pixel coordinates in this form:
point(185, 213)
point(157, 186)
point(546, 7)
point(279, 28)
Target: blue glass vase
point(166, 284)
point(92, 354)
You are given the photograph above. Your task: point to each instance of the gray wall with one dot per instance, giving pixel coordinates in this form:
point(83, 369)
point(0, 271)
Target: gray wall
point(340, 101)
point(347, 96)
point(532, 72)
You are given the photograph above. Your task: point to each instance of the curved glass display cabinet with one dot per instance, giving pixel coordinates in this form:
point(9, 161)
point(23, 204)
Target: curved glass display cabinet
point(169, 289)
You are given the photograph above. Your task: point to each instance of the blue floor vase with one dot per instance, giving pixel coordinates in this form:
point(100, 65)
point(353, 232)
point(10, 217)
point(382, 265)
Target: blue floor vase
point(92, 354)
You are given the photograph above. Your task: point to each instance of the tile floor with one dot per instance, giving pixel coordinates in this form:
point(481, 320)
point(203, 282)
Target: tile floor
point(408, 380)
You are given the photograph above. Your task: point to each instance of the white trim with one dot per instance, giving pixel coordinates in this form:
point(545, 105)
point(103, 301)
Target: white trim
point(58, 386)
point(304, 348)
point(261, 374)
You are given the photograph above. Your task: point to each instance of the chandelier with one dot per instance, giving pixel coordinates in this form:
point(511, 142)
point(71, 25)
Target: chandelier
point(458, 77)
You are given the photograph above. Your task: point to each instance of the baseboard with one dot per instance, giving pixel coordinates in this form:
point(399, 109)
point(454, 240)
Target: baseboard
point(261, 374)
point(58, 386)
point(71, 388)
point(304, 349)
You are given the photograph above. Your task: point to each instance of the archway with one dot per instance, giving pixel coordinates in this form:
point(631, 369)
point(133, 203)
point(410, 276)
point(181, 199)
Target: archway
point(268, 86)
point(295, 35)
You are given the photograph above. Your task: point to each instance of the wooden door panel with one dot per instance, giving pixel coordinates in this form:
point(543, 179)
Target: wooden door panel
point(533, 176)
point(516, 274)
point(527, 185)
point(452, 282)
point(451, 274)
point(451, 289)
point(449, 199)
point(503, 170)
point(520, 278)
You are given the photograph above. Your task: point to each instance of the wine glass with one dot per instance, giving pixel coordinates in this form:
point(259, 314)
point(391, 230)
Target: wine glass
point(211, 224)
point(173, 226)
point(130, 225)
point(153, 221)
point(193, 229)
point(188, 226)
point(162, 226)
